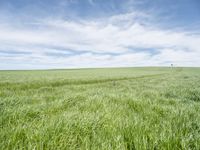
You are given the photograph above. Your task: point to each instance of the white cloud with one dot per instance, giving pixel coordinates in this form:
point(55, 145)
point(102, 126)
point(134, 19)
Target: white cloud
point(100, 43)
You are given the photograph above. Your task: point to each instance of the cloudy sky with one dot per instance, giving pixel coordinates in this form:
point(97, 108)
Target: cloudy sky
point(44, 34)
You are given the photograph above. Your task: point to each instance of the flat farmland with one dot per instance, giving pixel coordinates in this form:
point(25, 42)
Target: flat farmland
point(107, 108)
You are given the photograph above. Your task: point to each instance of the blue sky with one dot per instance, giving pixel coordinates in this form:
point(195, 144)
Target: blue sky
point(45, 34)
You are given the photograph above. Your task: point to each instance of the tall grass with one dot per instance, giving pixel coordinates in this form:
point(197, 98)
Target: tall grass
point(121, 108)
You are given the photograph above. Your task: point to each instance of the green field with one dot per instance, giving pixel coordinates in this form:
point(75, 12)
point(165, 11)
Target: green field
point(115, 108)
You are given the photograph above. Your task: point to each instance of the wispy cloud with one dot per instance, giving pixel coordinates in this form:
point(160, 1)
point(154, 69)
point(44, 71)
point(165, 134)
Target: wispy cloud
point(127, 39)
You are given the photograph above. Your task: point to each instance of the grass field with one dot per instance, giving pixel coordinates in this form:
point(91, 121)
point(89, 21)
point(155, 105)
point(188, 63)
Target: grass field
point(115, 108)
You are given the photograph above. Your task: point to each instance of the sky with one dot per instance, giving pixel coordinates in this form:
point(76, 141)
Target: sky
point(53, 34)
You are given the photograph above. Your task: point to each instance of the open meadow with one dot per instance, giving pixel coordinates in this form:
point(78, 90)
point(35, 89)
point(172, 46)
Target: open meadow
point(113, 108)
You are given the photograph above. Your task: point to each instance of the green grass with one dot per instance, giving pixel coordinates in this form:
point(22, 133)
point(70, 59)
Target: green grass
point(115, 108)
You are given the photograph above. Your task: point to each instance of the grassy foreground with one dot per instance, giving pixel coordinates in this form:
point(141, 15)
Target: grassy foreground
point(121, 108)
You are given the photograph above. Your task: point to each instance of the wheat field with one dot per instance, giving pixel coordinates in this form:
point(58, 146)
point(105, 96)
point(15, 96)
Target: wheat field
point(105, 109)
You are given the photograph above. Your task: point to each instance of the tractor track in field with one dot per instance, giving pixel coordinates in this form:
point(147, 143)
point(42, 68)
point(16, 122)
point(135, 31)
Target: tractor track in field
point(59, 83)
